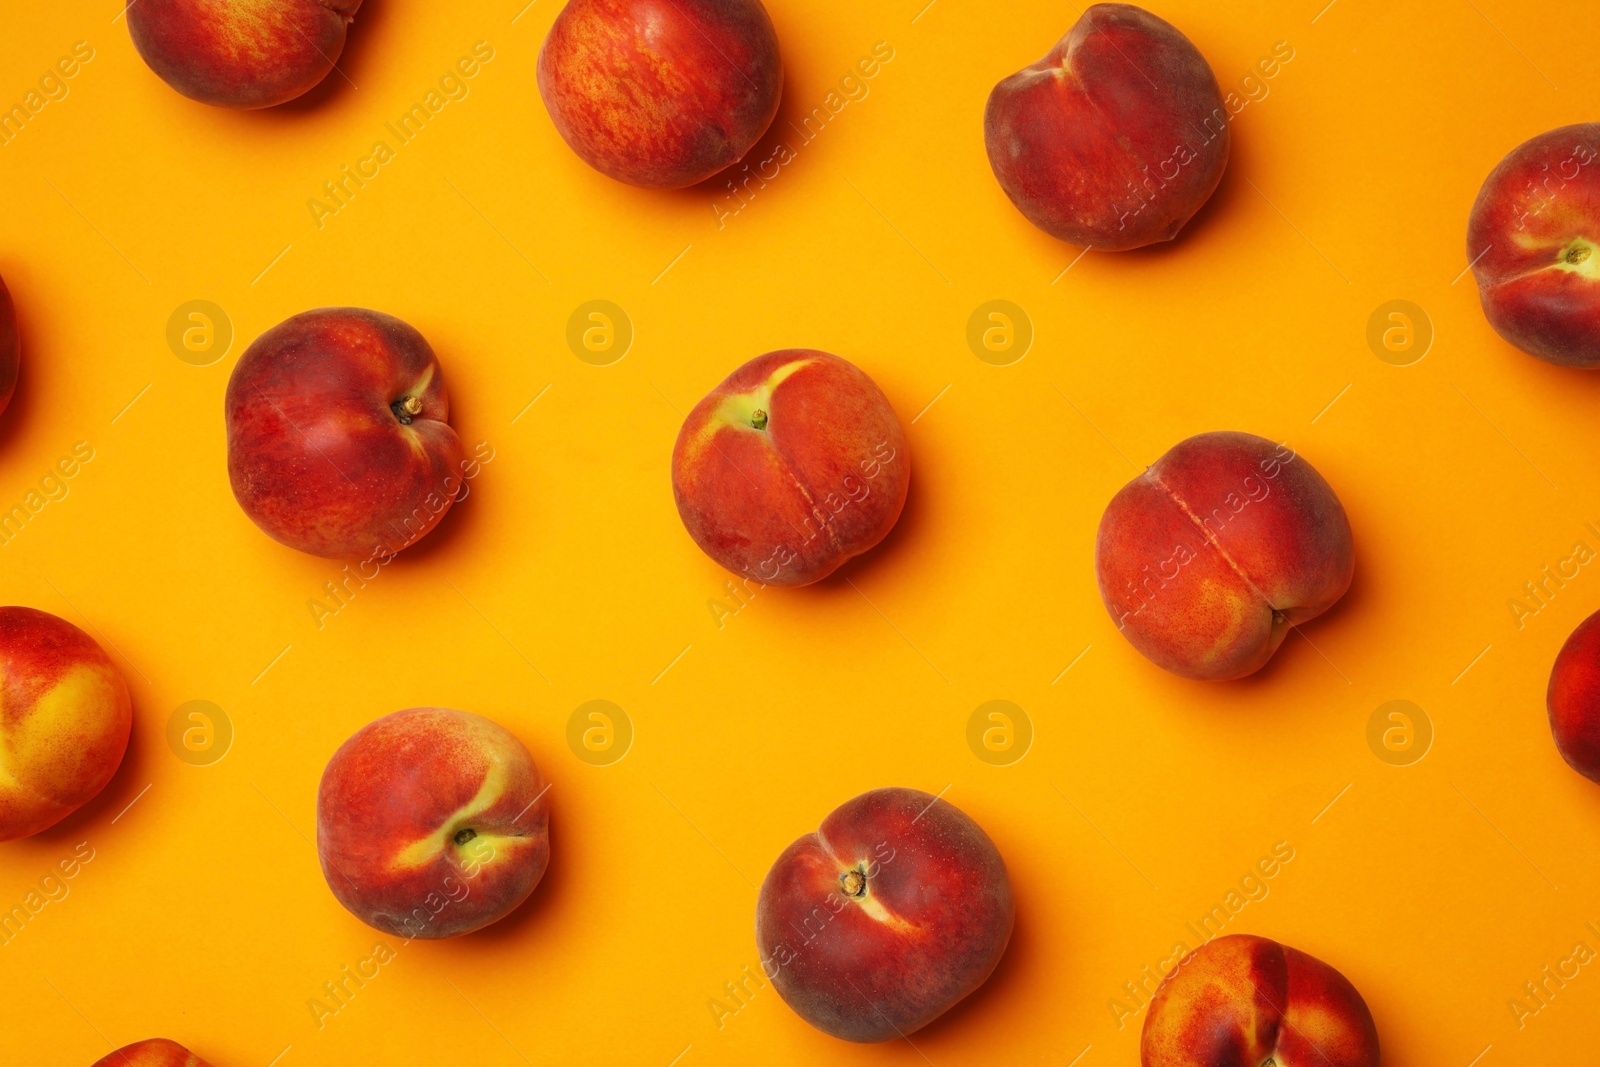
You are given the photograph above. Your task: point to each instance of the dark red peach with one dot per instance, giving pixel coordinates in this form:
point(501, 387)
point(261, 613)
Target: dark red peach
point(1573, 699)
point(1534, 242)
point(339, 440)
point(884, 918)
point(1116, 137)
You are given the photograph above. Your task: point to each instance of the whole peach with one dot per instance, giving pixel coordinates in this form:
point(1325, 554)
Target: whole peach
point(878, 923)
point(1207, 558)
point(1534, 242)
point(661, 93)
point(1246, 1000)
point(1573, 699)
point(156, 1052)
point(10, 352)
point(792, 465)
point(339, 440)
point(1116, 137)
point(432, 823)
point(64, 720)
point(240, 53)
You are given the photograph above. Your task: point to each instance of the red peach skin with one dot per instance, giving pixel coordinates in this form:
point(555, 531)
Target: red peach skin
point(1534, 239)
point(1116, 137)
point(240, 53)
point(1242, 1001)
point(156, 1052)
point(1573, 699)
point(431, 823)
point(661, 93)
point(10, 352)
point(1207, 558)
point(886, 917)
point(65, 717)
point(794, 464)
point(339, 440)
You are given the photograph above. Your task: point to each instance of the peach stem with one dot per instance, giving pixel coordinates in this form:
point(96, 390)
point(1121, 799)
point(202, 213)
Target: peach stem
point(405, 408)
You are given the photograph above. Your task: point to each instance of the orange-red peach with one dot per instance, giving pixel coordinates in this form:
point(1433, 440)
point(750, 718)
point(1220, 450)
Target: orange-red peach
point(1573, 699)
point(432, 823)
point(1116, 137)
point(240, 53)
point(156, 1052)
point(10, 352)
point(339, 436)
point(895, 909)
point(64, 720)
point(1534, 243)
point(1207, 558)
point(1243, 1001)
point(661, 93)
point(792, 465)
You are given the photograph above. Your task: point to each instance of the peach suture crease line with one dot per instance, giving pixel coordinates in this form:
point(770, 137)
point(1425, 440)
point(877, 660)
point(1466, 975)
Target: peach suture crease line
point(1211, 539)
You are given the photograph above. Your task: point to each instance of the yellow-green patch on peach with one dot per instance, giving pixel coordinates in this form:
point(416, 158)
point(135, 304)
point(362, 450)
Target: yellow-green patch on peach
point(65, 716)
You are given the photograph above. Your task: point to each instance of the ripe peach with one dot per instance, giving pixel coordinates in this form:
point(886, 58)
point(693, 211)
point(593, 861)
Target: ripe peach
point(64, 720)
point(1242, 1000)
point(1534, 242)
point(792, 465)
point(879, 922)
point(240, 53)
point(339, 440)
point(661, 93)
point(1207, 558)
point(432, 823)
point(156, 1052)
point(1116, 137)
point(1573, 699)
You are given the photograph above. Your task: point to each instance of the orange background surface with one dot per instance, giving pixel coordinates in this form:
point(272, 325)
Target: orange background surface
point(1438, 887)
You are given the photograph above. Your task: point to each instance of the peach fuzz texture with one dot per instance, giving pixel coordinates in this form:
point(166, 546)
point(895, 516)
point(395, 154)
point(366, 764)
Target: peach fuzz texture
point(1207, 558)
point(661, 93)
point(1243, 1001)
point(1573, 699)
point(65, 717)
point(156, 1052)
point(317, 453)
point(823, 478)
point(880, 921)
point(1534, 239)
point(1115, 137)
point(240, 53)
point(431, 823)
